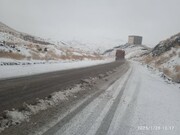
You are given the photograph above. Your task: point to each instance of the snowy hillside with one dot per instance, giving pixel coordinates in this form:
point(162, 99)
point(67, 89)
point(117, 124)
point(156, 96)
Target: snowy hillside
point(132, 51)
point(166, 57)
point(19, 35)
point(98, 45)
point(15, 45)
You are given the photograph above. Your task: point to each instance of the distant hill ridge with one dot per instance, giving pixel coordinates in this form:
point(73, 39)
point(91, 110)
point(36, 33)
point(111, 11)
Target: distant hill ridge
point(21, 46)
point(27, 37)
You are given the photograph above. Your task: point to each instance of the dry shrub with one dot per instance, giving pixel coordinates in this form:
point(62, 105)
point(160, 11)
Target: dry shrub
point(34, 47)
point(64, 57)
point(167, 72)
point(12, 55)
point(176, 77)
point(160, 69)
point(177, 46)
point(171, 55)
point(30, 46)
point(161, 60)
point(174, 53)
point(78, 57)
point(35, 56)
point(148, 59)
point(51, 56)
point(177, 68)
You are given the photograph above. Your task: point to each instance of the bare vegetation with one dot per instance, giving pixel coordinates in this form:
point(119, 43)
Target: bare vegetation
point(161, 60)
point(171, 71)
point(176, 77)
point(177, 68)
point(35, 56)
point(168, 72)
point(148, 59)
point(12, 55)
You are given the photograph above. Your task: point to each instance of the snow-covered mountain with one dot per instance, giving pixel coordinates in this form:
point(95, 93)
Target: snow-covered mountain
point(21, 46)
point(98, 45)
point(166, 57)
point(131, 51)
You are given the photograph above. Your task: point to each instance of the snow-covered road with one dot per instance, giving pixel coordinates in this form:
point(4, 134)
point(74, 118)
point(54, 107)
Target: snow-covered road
point(149, 106)
point(138, 103)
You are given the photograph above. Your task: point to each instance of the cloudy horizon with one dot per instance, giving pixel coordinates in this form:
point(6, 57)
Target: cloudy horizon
point(93, 20)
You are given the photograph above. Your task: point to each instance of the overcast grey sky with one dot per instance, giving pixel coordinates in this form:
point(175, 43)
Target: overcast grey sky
point(93, 20)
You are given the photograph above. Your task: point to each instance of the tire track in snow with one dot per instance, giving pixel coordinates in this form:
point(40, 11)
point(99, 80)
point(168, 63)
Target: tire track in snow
point(81, 121)
point(100, 122)
point(103, 129)
point(129, 112)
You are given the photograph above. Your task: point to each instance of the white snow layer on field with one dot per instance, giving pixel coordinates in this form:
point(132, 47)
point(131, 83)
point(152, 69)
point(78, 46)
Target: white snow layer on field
point(24, 70)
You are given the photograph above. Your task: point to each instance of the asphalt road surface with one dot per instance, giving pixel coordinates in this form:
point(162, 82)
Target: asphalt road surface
point(14, 92)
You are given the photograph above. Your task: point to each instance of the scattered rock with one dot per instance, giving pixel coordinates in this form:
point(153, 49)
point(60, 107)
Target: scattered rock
point(87, 81)
point(166, 45)
point(106, 79)
point(101, 76)
point(50, 96)
point(4, 123)
point(45, 49)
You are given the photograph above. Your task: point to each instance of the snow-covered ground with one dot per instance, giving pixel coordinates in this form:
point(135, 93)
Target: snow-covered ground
point(148, 106)
point(24, 70)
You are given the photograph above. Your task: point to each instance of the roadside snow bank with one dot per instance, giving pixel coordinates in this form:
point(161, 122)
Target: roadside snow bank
point(53, 99)
point(15, 117)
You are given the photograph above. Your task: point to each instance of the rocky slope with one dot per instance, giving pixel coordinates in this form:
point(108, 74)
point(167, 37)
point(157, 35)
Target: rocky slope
point(166, 57)
point(166, 45)
point(21, 46)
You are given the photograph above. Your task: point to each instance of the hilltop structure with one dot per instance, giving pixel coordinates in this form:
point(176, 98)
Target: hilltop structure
point(132, 39)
